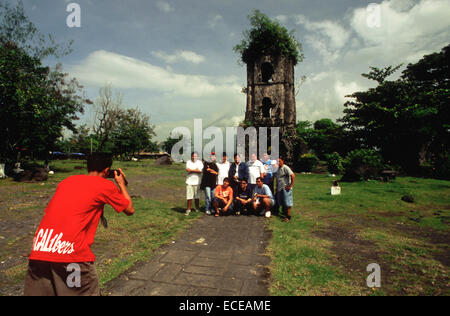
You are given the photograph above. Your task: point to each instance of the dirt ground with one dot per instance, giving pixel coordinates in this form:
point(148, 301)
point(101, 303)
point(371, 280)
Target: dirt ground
point(354, 253)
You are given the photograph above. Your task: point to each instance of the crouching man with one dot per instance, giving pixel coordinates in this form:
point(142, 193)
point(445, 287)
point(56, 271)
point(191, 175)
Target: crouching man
point(61, 261)
point(243, 199)
point(223, 198)
point(263, 198)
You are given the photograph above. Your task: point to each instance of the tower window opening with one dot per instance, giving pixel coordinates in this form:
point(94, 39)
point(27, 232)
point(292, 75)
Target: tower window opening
point(267, 107)
point(267, 72)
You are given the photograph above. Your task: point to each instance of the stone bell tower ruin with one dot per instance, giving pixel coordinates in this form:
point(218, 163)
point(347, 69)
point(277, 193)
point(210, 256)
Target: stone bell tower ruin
point(271, 99)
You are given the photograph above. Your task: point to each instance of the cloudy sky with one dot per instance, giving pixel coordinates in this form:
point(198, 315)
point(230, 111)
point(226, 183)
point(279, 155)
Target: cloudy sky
point(174, 59)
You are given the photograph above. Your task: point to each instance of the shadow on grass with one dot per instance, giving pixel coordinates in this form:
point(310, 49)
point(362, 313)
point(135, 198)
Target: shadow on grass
point(178, 209)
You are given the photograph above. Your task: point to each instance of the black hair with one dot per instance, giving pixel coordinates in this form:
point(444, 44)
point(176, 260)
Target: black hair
point(244, 180)
point(99, 162)
point(227, 180)
point(259, 178)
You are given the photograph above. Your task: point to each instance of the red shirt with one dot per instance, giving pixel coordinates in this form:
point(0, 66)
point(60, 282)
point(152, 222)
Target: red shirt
point(70, 220)
point(224, 193)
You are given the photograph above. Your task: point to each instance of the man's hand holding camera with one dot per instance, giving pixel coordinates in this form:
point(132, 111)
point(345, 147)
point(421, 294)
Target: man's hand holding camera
point(120, 177)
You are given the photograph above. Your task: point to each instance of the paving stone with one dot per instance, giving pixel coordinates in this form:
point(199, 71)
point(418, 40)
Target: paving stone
point(227, 293)
point(214, 255)
point(230, 261)
point(262, 260)
point(205, 270)
point(243, 259)
point(167, 273)
point(208, 281)
point(231, 284)
point(200, 291)
point(162, 289)
point(254, 288)
point(178, 256)
point(126, 288)
point(246, 248)
point(147, 271)
point(209, 262)
point(243, 272)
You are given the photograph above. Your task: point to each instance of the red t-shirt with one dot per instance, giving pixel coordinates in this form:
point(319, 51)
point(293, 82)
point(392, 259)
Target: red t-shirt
point(224, 193)
point(70, 220)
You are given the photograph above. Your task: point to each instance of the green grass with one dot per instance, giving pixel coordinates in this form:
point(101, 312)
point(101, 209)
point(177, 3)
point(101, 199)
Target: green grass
point(127, 240)
point(325, 248)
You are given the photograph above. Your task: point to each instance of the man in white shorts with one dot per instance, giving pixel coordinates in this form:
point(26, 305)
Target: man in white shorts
point(194, 169)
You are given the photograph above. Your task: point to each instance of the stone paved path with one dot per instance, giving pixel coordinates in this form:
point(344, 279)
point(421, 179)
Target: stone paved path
point(216, 257)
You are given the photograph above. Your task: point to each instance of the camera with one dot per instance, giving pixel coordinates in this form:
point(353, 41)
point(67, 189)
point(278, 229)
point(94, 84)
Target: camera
point(112, 176)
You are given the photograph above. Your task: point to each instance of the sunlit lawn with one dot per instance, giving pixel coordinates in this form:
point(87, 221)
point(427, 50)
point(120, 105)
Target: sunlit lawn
point(330, 241)
point(324, 250)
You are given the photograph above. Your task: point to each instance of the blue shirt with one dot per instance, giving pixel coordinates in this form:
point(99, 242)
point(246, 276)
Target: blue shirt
point(268, 167)
point(264, 190)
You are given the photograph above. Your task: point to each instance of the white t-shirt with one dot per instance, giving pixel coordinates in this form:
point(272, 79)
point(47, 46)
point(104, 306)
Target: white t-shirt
point(194, 178)
point(255, 169)
point(223, 171)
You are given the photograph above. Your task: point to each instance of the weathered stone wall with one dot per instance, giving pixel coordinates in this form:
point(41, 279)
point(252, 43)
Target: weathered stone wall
point(280, 90)
point(283, 70)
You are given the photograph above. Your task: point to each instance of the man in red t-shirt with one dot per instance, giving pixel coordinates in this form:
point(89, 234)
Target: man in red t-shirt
point(223, 198)
point(61, 261)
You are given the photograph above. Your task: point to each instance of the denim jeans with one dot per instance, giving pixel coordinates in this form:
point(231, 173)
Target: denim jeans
point(209, 198)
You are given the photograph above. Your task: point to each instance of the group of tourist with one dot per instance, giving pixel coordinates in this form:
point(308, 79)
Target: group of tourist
point(240, 188)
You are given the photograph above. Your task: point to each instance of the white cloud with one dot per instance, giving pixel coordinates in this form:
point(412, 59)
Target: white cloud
point(319, 76)
point(406, 30)
point(102, 67)
point(180, 55)
point(323, 94)
point(213, 21)
point(336, 35)
point(344, 89)
point(164, 6)
point(326, 37)
point(348, 47)
point(281, 18)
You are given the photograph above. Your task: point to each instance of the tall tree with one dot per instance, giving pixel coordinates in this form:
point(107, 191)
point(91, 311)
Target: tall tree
point(407, 119)
point(17, 28)
point(132, 133)
point(35, 102)
point(108, 109)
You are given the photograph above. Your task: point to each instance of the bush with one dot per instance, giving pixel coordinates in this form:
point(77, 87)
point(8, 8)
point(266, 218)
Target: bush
point(267, 37)
point(362, 164)
point(442, 169)
point(307, 162)
point(334, 162)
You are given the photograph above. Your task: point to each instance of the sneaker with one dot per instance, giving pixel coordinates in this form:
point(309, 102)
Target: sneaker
point(187, 213)
point(208, 212)
point(238, 213)
point(217, 214)
point(268, 214)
